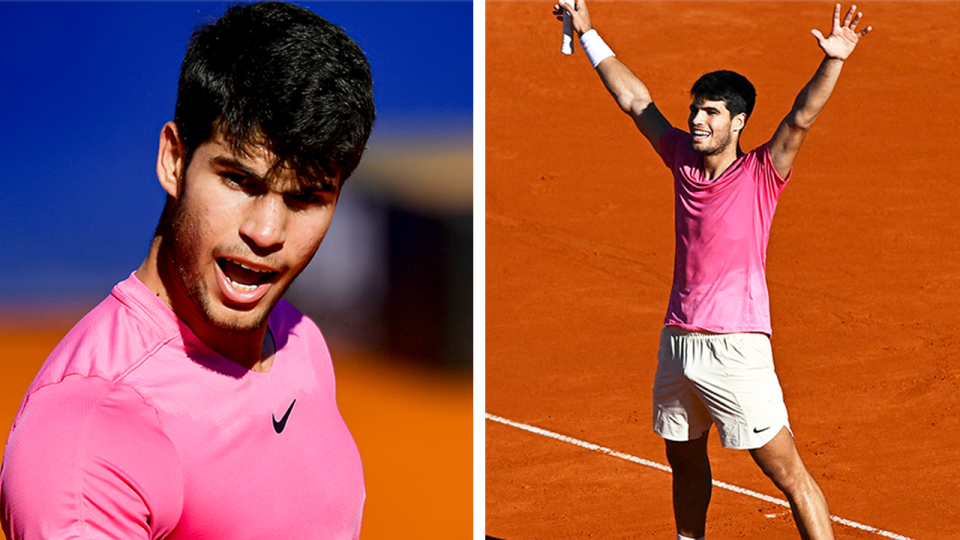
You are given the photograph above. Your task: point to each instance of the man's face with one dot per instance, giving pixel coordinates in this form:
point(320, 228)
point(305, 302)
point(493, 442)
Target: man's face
point(238, 238)
point(712, 128)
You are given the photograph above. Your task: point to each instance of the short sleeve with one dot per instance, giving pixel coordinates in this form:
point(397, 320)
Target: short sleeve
point(769, 180)
point(87, 458)
point(669, 143)
point(770, 171)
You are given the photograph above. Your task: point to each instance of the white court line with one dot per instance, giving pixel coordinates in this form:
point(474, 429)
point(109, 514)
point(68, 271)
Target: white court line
point(655, 465)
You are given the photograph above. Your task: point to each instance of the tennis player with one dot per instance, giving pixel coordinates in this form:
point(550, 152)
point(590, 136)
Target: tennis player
point(715, 360)
point(193, 402)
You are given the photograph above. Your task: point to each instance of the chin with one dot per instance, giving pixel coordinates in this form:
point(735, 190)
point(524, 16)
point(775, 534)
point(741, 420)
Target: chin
point(704, 151)
point(236, 320)
point(707, 151)
point(239, 325)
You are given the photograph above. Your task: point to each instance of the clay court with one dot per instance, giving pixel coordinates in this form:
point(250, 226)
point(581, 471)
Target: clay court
point(863, 269)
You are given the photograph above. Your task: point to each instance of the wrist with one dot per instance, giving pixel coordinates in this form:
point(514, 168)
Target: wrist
point(596, 49)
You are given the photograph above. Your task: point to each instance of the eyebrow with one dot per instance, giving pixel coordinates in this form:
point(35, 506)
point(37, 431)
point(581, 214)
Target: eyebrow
point(224, 161)
point(694, 106)
point(327, 184)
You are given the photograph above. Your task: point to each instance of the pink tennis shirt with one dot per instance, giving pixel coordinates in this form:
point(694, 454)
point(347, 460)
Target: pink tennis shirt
point(134, 428)
point(722, 230)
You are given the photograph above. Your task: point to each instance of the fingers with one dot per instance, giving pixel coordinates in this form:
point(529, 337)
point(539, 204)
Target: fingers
point(850, 20)
point(562, 8)
point(849, 16)
point(855, 21)
point(565, 5)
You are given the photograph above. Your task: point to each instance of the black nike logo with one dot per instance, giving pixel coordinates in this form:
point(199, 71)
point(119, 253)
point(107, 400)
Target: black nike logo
point(278, 426)
point(755, 430)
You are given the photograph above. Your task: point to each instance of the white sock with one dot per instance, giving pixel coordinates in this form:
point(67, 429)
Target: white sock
point(682, 537)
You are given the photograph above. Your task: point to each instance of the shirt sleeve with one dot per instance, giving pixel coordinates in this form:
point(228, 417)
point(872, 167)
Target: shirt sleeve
point(669, 142)
point(769, 172)
point(87, 458)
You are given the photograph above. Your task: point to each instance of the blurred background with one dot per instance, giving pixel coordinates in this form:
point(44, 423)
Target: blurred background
point(85, 88)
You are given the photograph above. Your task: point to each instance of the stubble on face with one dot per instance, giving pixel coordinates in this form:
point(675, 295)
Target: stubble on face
point(226, 264)
point(182, 243)
point(722, 142)
point(722, 136)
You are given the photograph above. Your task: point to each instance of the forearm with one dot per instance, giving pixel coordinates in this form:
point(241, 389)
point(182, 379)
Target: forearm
point(815, 94)
point(627, 89)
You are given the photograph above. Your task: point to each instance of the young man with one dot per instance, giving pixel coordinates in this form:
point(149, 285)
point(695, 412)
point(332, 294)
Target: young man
point(715, 362)
point(193, 402)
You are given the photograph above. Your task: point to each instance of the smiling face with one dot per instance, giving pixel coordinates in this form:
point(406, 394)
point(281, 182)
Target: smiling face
point(238, 236)
point(713, 130)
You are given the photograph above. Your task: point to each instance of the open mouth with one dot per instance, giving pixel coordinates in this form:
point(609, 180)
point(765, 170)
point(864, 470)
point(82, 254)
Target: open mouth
point(241, 277)
point(700, 135)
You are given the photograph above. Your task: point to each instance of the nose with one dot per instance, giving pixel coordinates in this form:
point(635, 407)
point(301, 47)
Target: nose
point(265, 225)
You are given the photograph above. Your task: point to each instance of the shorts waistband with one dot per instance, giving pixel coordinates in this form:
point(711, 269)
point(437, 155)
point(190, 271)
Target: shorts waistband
point(675, 331)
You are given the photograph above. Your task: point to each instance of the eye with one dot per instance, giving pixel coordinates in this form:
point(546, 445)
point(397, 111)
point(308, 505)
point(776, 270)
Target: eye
point(235, 178)
point(308, 197)
point(303, 197)
point(243, 182)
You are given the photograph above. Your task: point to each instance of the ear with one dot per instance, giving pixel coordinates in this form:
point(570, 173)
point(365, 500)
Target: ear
point(170, 159)
point(739, 121)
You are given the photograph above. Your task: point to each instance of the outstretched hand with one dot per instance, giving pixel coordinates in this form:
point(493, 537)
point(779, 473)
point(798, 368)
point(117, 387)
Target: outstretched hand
point(578, 13)
point(843, 38)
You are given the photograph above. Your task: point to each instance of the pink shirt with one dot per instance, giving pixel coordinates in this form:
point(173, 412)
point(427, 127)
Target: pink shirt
point(722, 230)
point(134, 428)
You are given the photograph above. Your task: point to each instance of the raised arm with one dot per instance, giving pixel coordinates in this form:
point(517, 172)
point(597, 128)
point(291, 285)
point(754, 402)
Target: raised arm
point(627, 89)
point(836, 47)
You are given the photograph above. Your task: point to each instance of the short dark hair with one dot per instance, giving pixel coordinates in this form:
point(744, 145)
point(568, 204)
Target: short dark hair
point(727, 86)
point(281, 77)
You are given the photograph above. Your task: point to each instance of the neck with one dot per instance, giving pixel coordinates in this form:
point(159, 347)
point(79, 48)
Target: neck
point(716, 164)
point(253, 350)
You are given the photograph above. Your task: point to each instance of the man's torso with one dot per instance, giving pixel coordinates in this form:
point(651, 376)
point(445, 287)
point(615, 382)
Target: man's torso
point(722, 230)
point(154, 424)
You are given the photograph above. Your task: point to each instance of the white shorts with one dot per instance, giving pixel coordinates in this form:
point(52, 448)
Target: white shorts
point(723, 379)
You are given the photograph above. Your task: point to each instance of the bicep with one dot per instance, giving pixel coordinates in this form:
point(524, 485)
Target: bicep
point(785, 145)
point(87, 460)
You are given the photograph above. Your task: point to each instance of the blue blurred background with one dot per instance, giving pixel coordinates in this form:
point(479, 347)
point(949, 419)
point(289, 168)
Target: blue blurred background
point(85, 88)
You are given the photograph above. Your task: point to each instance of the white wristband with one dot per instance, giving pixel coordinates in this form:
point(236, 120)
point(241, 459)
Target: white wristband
point(596, 49)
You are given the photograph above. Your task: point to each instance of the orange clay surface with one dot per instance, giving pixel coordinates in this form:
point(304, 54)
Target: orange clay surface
point(863, 268)
point(413, 430)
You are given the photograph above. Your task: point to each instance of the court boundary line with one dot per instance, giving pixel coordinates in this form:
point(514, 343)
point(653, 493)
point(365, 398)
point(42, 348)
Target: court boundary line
point(661, 467)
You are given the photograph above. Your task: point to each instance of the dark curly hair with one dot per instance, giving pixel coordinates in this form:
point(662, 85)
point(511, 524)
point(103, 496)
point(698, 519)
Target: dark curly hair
point(281, 77)
point(727, 86)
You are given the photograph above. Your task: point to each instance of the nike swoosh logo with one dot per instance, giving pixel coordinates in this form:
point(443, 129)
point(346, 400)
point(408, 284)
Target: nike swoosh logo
point(755, 430)
point(278, 426)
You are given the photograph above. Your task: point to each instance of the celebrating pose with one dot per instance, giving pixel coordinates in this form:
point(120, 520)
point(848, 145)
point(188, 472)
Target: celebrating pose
point(715, 360)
